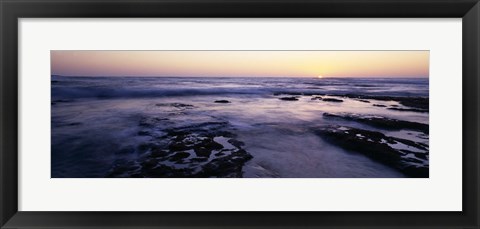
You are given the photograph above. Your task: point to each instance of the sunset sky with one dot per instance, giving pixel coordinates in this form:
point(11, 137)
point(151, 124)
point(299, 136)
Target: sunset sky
point(241, 63)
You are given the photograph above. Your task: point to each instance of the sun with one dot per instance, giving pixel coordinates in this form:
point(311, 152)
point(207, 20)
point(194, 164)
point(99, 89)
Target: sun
point(319, 76)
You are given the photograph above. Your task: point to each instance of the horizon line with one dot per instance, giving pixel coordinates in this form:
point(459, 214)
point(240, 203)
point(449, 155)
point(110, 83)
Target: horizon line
point(323, 77)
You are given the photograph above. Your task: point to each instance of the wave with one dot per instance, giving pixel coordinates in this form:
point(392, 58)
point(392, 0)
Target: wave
point(89, 92)
point(72, 88)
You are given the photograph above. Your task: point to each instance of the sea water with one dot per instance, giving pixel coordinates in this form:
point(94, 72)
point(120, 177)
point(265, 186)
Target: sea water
point(95, 120)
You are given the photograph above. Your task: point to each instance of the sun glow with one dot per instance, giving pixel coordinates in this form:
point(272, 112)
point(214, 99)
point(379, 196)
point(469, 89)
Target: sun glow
point(315, 64)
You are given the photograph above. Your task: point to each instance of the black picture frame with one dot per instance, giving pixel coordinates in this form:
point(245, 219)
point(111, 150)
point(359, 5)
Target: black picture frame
point(12, 10)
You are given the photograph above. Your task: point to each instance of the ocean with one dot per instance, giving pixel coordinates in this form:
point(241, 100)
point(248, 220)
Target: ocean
point(180, 127)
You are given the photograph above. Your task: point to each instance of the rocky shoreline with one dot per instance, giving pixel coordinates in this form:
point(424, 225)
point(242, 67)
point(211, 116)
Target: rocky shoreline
point(413, 104)
point(381, 122)
point(201, 150)
point(408, 157)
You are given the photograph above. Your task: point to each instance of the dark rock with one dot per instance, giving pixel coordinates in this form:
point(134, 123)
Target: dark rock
point(167, 172)
point(157, 152)
point(179, 156)
point(222, 101)
point(202, 151)
point(413, 102)
point(236, 143)
point(289, 98)
point(381, 122)
point(176, 105)
point(416, 102)
point(199, 159)
point(421, 155)
point(408, 109)
point(417, 172)
point(421, 103)
point(178, 146)
point(210, 144)
point(378, 105)
point(316, 98)
point(148, 164)
point(374, 145)
point(332, 100)
point(227, 166)
point(166, 156)
point(363, 101)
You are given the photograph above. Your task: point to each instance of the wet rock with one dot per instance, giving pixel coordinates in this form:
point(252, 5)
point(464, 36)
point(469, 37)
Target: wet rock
point(149, 163)
point(176, 105)
point(205, 147)
point(199, 159)
point(226, 166)
point(416, 172)
point(378, 105)
point(188, 151)
point(179, 156)
point(381, 122)
point(415, 102)
point(332, 100)
point(157, 152)
point(164, 171)
point(236, 143)
point(316, 98)
point(421, 103)
point(289, 98)
point(408, 109)
point(222, 101)
point(363, 101)
point(202, 151)
point(178, 146)
point(377, 146)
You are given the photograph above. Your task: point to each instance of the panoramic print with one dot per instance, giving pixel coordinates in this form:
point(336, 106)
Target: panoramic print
point(239, 114)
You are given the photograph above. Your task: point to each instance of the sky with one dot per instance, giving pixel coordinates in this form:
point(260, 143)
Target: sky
point(413, 64)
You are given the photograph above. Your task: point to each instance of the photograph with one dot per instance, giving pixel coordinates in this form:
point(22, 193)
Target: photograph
point(239, 113)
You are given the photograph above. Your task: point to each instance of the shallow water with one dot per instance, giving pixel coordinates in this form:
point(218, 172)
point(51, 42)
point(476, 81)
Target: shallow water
point(95, 121)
